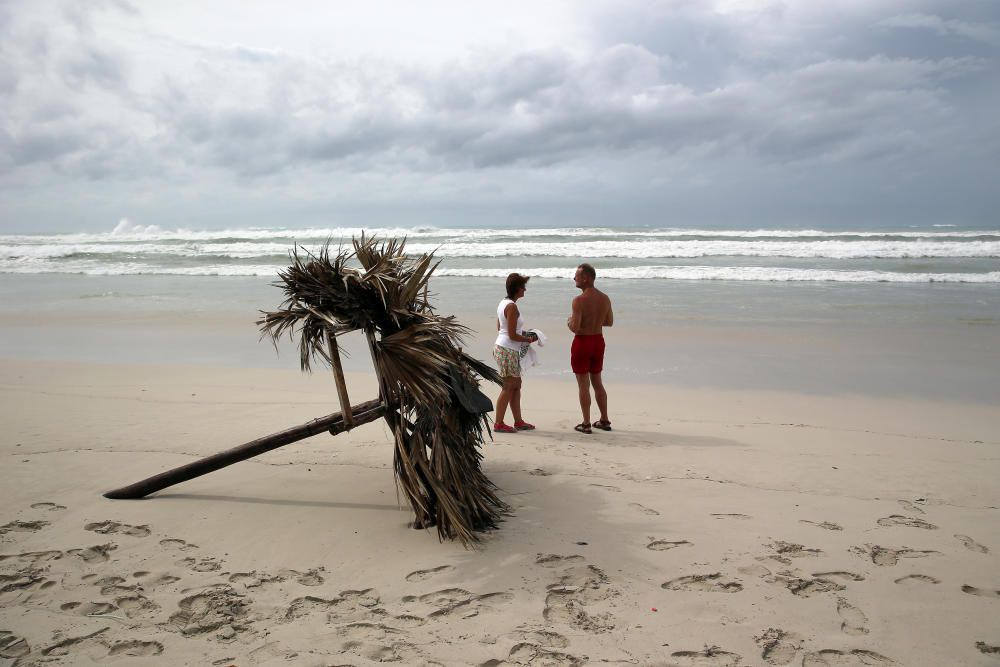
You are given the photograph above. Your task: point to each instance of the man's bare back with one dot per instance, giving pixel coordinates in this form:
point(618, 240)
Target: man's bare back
point(591, 312)
point(592, 309)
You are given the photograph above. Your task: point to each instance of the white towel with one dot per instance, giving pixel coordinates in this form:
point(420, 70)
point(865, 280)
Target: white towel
point(529, 356)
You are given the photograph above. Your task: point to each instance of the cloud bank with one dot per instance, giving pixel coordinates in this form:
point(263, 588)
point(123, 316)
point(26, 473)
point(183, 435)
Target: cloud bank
point(664, 113)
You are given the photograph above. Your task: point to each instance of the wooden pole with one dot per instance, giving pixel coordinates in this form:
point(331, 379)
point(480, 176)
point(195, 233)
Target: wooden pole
point(338, 377)
point(334, 423)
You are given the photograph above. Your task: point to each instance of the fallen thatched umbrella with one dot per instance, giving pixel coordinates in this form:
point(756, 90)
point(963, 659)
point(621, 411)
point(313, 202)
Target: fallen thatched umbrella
point(428, 387)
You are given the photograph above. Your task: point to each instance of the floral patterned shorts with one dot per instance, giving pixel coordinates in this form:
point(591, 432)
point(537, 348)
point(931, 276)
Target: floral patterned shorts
point(508, 361)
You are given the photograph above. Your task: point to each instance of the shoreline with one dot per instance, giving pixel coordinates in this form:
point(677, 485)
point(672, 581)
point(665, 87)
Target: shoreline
point(762, 523)
point(948, 359)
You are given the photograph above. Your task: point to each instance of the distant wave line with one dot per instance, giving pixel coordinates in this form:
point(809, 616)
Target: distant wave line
point(695, 273)
point(345, 234)
point(738, 273)
point(643, 249)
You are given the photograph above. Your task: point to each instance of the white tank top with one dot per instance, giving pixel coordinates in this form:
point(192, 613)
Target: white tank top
point(503, 336)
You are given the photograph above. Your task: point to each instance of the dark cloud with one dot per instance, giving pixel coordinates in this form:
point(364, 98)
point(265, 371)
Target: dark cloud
point(782, 92)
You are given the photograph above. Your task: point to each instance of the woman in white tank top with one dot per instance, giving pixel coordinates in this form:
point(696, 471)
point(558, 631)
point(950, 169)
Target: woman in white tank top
point(507, 353)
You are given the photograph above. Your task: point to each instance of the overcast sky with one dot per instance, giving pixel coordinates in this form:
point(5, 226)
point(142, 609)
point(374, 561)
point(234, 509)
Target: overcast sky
point(719, 113)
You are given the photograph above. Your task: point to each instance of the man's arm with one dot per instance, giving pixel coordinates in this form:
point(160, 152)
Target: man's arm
point(609, 319)
point(573, 321)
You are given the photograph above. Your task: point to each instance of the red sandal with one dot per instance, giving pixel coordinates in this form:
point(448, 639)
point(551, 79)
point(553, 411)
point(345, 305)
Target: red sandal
point(503, 428)
point(524, 426)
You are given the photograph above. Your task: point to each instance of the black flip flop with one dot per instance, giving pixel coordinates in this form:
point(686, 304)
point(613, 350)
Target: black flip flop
point(583, 428)
point(603, 425)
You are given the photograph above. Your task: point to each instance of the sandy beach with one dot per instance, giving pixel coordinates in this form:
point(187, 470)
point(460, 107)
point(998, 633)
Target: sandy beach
point(710, 527)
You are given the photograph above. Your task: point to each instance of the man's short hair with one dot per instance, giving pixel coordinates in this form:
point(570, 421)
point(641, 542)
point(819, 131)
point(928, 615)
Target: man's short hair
point(588, 271)
point(515, 282)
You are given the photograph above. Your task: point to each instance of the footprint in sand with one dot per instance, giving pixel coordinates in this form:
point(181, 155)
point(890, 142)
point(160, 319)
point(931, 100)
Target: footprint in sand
point(545, 638)
point(586, 584)
point(857, 657)
point(253, 579)
point(51, 507)
point(854, 620)
point(72, 645)
point(910, 522)
point(984, 592)
point(972, 545)
point(527, 653)
point(451, 602)
point(423, 575)
point(219, 609)
point(347, 606)
point(917, 579)
point(308, 578)
point(113, 527)
point(742, 517)
point(33, 557)
point(708, 583)
point(564, 605)
point(825, 525)
point(987, 648)
point(87, 643)
point(840, 574)
point(13, 646)
point(805, 588)
point(792, 550)
point(579, 587)
point(787, 550)
point(94, 554)
point(665, 545)
point(137, 606)
point(136, 649)
point(180, 545)
point(378, 643)
point(644, 509)
point(711, 656)
point(88, 608)
point(910, 507)
point(23, 527)
point(114, 586)
point(553, 560)
point(779, 647)
point(886, 556)
point(25, 580)
point(200, 565)
point(538, 472)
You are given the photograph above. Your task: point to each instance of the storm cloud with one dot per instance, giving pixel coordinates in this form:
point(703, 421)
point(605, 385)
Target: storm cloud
point(785, 111)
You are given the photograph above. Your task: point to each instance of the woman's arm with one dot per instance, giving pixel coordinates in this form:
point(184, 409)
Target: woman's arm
point(512, 314)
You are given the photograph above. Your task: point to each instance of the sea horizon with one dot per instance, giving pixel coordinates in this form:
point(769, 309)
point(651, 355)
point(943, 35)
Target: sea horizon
point(942, 253)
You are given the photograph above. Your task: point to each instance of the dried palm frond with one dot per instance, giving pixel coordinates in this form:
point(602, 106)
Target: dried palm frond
point(418, 359)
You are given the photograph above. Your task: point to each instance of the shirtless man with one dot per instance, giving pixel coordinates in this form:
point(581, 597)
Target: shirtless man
point(591, 313)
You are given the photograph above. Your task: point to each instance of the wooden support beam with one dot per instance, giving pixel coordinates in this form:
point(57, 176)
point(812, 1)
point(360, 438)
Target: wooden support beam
point(338, 377)
point(334, 423)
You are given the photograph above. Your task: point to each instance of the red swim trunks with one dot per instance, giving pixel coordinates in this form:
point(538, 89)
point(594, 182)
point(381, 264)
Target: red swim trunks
point(587, 354)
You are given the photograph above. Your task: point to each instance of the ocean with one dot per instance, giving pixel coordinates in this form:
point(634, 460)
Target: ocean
point(886, 311)
point(759, 255)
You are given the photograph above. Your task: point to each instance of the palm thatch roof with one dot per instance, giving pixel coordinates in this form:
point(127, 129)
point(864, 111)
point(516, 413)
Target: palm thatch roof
point(425, 378)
